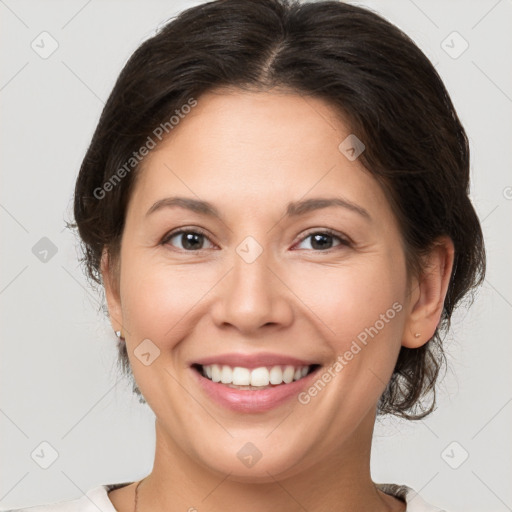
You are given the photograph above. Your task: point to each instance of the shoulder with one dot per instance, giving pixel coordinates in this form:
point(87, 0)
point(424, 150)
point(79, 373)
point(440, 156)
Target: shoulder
point(94, 500)
point(415, 503)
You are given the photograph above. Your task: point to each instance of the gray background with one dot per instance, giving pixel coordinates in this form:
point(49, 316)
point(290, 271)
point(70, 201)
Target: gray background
point(59, 383)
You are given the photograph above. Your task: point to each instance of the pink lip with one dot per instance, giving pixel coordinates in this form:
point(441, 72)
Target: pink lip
point(253, 360)
point(246, 400)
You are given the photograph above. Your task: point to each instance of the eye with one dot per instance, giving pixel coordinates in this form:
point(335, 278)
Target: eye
point(191, 239)
point(322, 240)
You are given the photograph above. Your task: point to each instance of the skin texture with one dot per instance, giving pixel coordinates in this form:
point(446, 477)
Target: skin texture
point(250, 153)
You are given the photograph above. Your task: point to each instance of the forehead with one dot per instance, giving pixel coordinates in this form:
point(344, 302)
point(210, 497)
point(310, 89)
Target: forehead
point(245, 148)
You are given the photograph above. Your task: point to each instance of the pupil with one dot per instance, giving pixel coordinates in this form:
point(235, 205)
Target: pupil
point(317, 240)
point(188, 240)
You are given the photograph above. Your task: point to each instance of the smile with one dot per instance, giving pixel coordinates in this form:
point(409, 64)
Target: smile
point(262, 388)
point(263, 377)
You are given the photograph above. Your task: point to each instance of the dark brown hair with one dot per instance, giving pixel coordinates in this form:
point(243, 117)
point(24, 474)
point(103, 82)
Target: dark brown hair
point(369, 71)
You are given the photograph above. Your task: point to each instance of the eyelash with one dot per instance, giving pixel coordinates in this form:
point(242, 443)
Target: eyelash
point(325, 231)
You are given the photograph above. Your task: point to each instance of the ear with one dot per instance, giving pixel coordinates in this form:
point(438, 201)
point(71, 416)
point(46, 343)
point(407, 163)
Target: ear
point(428, 294)
point(110, 278)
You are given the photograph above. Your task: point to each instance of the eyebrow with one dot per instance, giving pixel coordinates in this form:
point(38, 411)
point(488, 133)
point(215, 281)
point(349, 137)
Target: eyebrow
point(293, 209)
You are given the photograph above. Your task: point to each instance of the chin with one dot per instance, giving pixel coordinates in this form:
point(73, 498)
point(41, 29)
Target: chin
point(264, 469)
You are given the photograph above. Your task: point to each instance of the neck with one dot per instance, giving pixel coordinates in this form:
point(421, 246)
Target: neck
point(341, 482)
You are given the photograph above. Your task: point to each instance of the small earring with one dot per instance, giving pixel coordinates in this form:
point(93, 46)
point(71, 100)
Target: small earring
point(417, 335)
point(119, 334)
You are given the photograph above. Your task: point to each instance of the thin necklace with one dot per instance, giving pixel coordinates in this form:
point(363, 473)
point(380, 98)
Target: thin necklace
point(137, 494)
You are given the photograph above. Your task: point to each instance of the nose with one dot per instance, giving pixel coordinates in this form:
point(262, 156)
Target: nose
point(253, 295)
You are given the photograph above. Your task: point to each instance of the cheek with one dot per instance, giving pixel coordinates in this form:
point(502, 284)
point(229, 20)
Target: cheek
point(159, 299)
point(348, 299)
point(360, 314)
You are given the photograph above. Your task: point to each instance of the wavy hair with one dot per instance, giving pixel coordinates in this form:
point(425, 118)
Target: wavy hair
point(370, 72)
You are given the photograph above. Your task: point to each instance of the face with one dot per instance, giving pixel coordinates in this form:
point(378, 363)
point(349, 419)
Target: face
point(323, 285)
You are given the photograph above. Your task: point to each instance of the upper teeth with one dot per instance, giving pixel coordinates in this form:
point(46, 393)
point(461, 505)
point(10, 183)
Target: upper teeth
point(262, 376)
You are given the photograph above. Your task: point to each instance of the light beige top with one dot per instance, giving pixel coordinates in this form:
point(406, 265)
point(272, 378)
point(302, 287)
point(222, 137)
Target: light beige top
point(97, 500)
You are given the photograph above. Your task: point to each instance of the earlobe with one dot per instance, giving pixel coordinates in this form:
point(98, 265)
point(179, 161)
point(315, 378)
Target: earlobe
point(432, 286)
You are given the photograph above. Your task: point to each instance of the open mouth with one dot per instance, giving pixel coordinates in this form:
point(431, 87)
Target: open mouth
point(264, 377)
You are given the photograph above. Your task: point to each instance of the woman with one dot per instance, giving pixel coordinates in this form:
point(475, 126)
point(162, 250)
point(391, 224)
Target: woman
point(275, 200)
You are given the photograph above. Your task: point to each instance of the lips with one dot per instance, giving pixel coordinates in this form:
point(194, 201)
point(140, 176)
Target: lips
point(241, 399)
point(252, 361)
